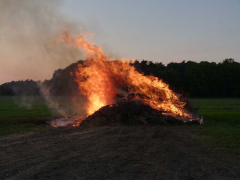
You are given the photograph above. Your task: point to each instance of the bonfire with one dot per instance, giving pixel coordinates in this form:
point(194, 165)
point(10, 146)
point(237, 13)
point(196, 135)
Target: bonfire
point(102, 80)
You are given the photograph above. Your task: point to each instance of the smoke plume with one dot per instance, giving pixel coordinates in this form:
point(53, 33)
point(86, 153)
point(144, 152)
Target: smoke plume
point(26, 30)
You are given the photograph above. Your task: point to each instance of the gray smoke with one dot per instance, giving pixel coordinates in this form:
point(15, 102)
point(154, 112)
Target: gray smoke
point(27, 28)
point(52, 101)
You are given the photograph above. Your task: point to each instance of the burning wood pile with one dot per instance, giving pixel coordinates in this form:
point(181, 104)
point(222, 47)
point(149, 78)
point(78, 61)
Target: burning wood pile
point(101, 78)
point(131, 113)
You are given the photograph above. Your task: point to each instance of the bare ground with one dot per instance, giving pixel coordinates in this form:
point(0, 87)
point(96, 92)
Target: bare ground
point(122, 152)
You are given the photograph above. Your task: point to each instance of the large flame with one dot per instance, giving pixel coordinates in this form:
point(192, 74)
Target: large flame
point(100, 78)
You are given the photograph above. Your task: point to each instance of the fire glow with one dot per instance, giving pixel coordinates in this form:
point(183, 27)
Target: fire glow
point(100, 78)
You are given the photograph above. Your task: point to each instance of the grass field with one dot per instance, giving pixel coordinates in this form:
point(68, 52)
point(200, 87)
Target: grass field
point(16, 118)
point(222, 117)
point(222, 127)
point(209, 151)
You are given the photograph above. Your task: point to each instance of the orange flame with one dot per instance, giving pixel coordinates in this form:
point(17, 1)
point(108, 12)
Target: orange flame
point(99, 79)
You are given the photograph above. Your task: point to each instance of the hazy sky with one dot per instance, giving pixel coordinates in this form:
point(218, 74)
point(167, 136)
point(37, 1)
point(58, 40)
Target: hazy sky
point(157, 30)
point(164, 30)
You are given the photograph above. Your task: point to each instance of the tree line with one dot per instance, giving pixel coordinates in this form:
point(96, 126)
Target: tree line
point(203, 79)
point(193, 79)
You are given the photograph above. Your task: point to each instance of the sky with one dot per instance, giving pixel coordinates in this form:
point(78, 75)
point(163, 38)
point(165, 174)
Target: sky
point(157, 30)
point(166, 31)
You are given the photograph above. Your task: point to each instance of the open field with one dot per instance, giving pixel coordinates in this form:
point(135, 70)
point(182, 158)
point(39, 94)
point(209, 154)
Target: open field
point(30, 114)
point(120, 152)
point(222, 116)
point(30, 149)
point(16, 118)
point(222, 127)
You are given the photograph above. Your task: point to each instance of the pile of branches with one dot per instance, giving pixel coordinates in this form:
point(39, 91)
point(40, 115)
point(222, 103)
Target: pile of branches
point(129, 113)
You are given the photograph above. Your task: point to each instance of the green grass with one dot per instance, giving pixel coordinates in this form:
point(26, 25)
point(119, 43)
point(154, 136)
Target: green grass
point(222, 122)
point(20, 115)
point(15, 117)
point(221, 116)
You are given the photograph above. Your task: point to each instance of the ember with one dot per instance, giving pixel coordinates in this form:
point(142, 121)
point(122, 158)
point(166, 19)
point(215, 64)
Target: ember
point(66, 122)
point(101, 79)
